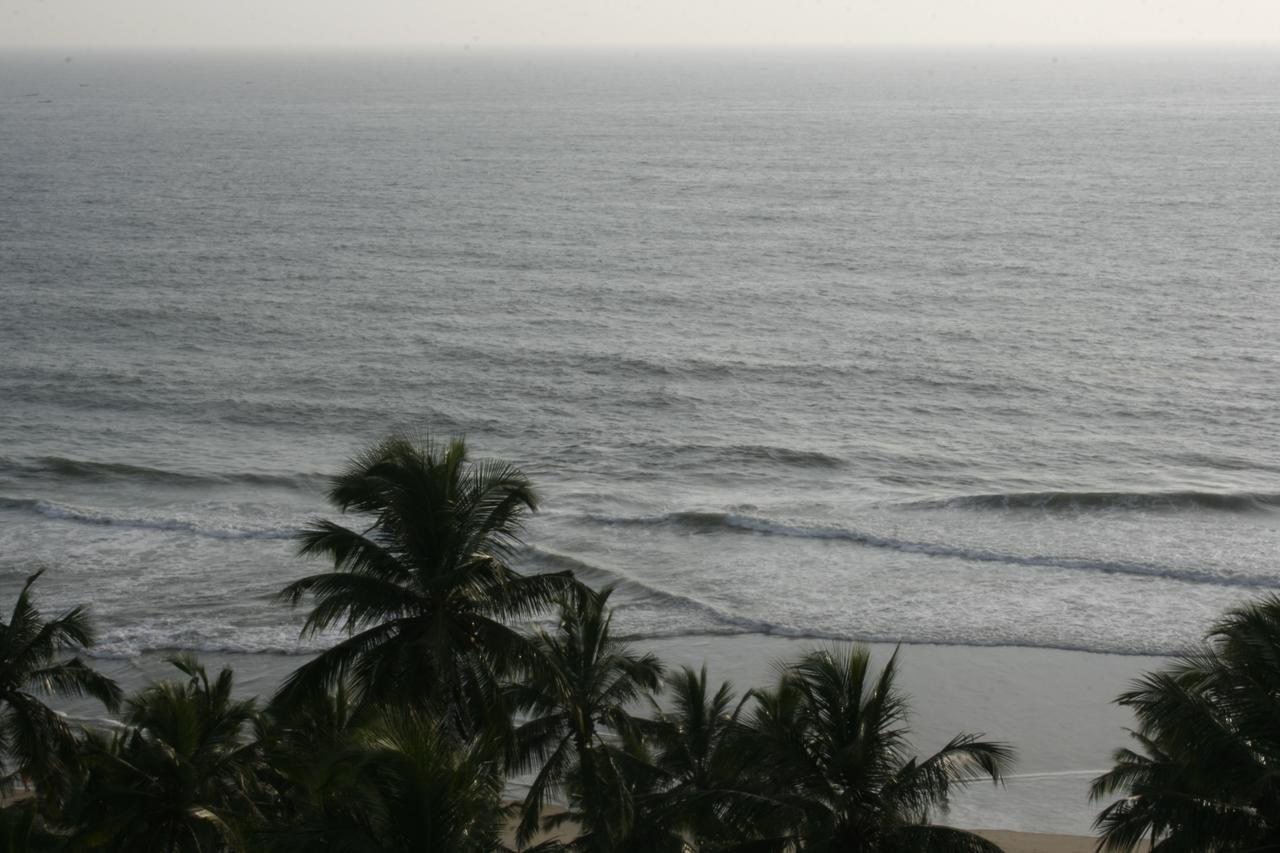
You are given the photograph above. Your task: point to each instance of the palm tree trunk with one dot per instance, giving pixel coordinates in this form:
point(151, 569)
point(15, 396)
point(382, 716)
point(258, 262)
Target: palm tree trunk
point(593, 810)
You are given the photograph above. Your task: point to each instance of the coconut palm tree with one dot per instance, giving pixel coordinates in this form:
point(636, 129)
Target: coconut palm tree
point(183, 776)
point(424, 587)
point(1204, 777)
point(297, 741)
point(402, 782)
point(576, 696)
point(35, 742)
point(831, 748)
point(699, 746)
point(21, 832)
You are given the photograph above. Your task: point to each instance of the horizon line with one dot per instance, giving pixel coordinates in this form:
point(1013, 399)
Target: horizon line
point(476, 44)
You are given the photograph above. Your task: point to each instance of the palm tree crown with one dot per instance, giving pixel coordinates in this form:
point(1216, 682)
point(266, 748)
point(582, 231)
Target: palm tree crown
point(577, 695)
point(35, 742)
point(425, 590)
point(1209, 736)
point(184, 774)
point(400, 782)
point(701, 749)
point(832, 754)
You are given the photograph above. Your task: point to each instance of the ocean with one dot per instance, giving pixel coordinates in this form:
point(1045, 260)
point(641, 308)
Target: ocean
point(966, 347)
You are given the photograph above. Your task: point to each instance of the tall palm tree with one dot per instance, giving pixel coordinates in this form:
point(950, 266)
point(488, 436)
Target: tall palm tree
point(576, 696)
point(424, 588)
point(35, 742)
point(832, 751)
point(1204, 776)
point(402, 782)
point(183, 776)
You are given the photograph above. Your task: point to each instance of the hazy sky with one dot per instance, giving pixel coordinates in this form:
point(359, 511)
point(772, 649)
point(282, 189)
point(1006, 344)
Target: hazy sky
point(436, 22)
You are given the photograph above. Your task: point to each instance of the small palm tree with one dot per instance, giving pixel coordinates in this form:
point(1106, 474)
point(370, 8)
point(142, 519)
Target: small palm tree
point(35, 742)
point(700, 749)
point(1204, 777)
point(577, 695)
point(183, 776)
point(403, 782)
point(831, 750)
point(295, 735)
point(425, 590)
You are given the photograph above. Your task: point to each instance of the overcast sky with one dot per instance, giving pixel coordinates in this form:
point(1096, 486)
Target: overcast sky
point(356, 23)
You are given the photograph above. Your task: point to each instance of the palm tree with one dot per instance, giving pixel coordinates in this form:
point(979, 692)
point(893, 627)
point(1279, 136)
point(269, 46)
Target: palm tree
point(1209, 737)
point(183, 776)
point(35, 742)
point(700, 748)
point(295, 736)
point(20, 829)
point(576, 696)
point(425, 590)
point(831, 749)
point(403, 782)
point(296, 741)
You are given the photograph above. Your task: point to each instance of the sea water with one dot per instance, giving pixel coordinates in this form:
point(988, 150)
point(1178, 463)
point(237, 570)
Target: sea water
point(968, 347)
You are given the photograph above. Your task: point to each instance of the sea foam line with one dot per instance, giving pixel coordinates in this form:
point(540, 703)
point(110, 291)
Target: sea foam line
point(82, 515)
point(126, 643)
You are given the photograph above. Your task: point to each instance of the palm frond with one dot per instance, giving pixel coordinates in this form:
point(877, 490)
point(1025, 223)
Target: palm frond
point(74, 678)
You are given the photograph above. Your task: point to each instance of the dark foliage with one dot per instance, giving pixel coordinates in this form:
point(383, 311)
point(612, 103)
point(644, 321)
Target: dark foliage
point(36, 744)
point(1204, 775)
point(404, 735)
point(424, 588)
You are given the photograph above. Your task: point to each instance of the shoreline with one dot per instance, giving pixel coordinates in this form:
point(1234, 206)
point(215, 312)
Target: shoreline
point(1038, 842)
point(1010, 841)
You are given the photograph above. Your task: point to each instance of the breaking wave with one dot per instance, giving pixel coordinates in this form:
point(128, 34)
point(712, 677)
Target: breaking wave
point(64, 469)
point(637, 593)
point(85, 515)
point(713, 522)
point(704, 619)
point(770, 455)
point(1229, 502)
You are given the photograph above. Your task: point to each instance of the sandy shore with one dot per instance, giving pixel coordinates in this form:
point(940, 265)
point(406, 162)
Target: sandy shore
point(1009, 841)
point(1036, 842)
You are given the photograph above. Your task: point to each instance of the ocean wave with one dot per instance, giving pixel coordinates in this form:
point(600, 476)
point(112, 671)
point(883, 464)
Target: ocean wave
point(636, 592)
point(731, 627)
point(101, 518)
point(209, 634)
point(778, 455)
point(642, 613)
point(713, 522)
point(61, 468)
point(1173, 501)
point(710, 621)
point(127, 649)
